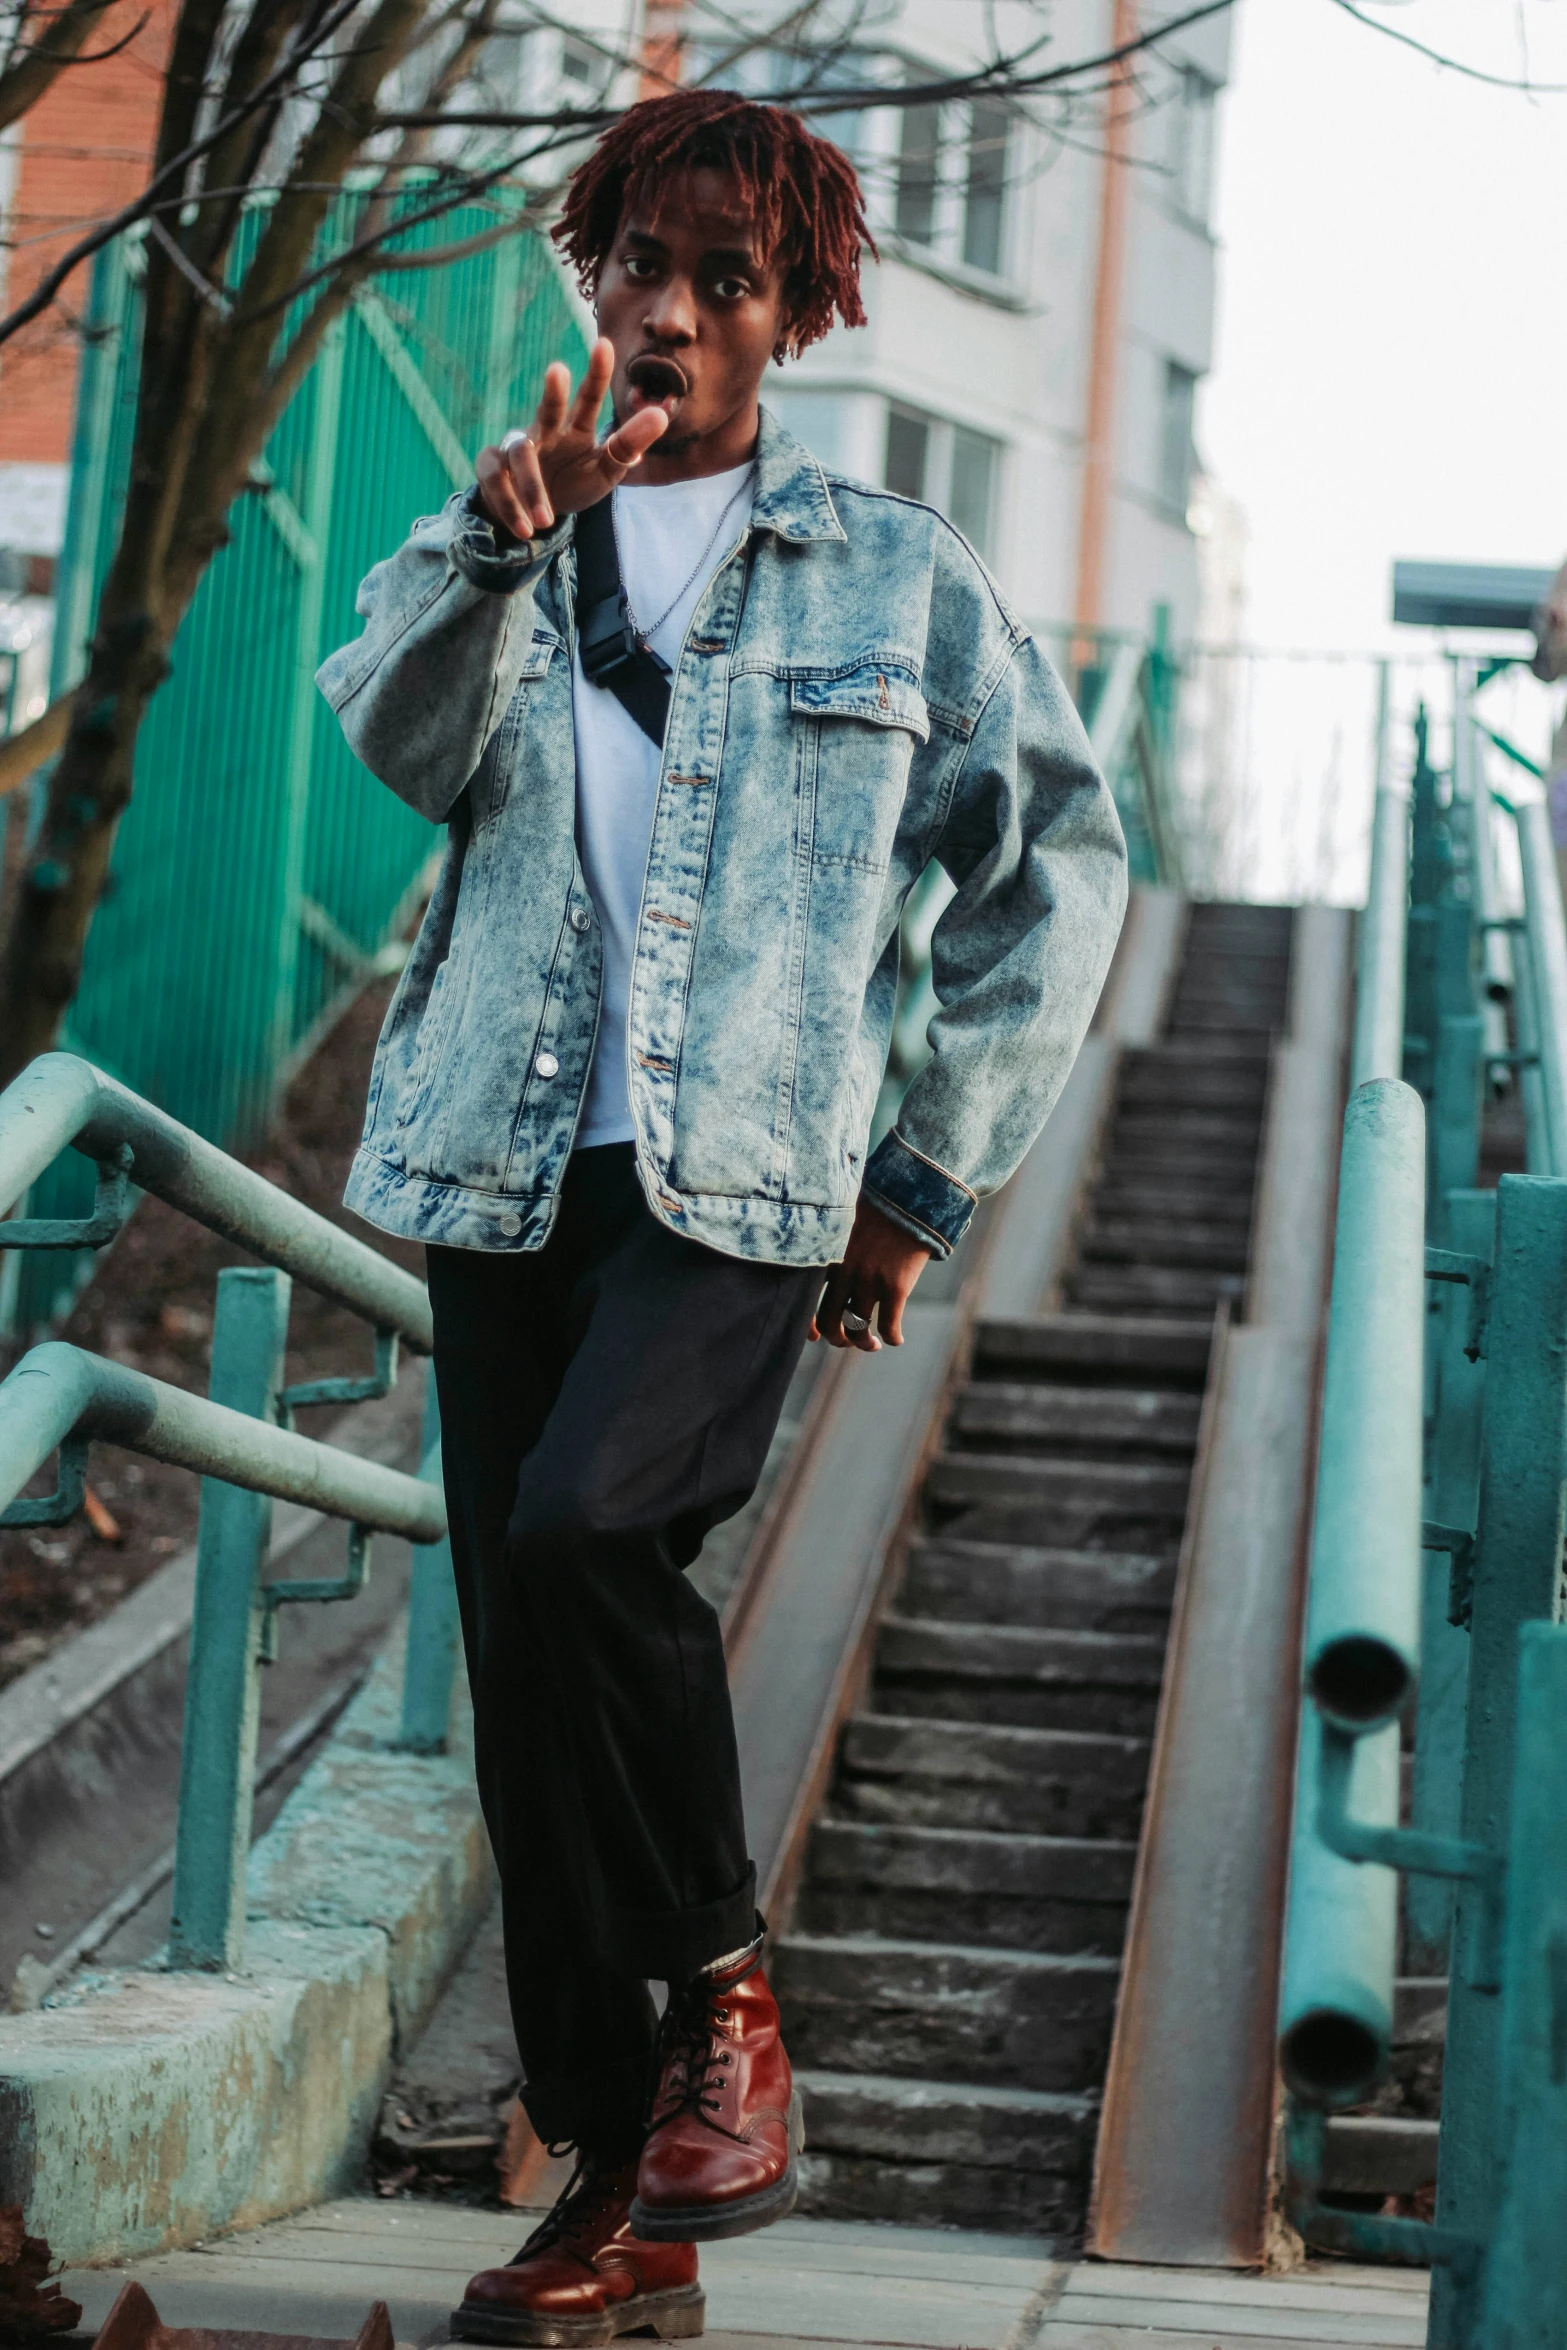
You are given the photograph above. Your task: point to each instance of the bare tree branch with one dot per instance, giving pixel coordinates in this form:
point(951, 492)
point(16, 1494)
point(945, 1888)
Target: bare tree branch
point(31, 66)
point(167, 174)
point(994, 80)
point(1473, 73)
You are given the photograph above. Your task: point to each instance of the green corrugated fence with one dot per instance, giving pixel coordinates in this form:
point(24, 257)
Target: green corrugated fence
point(259, 870)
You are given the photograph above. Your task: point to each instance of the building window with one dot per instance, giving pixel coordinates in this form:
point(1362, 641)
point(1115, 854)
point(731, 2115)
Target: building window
point(908, 453)
point(1191, 146)
point(1176, 456)
point(950, 185)
point(919, 174)
point(946, 466)
point(984, 197)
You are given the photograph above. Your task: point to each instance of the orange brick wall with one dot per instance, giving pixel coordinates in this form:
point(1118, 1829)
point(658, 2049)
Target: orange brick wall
point(85, 149)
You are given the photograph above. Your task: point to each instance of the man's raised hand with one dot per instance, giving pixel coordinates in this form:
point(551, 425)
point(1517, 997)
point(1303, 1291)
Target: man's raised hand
point(558, 467)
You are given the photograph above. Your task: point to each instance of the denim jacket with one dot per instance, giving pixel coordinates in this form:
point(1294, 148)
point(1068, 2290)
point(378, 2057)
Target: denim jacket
point(852, 699)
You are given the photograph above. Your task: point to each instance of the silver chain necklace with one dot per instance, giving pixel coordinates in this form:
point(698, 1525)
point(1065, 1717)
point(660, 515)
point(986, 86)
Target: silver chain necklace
point(654, 626)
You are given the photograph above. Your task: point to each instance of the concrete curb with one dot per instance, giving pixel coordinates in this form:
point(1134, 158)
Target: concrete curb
point(140, 2111)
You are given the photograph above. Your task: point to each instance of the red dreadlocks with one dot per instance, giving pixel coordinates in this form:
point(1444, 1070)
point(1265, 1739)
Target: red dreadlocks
point(802, 193)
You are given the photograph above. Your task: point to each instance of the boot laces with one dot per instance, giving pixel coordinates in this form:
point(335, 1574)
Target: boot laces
point(696, 2057)
point(587, 2194)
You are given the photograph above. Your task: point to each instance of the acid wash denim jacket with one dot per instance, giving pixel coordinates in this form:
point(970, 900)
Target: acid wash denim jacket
point(853, 698)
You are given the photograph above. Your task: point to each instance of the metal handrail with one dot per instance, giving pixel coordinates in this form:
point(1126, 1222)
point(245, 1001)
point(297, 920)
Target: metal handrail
point(59, 1395)
point(1363, 1626)
point(60, 1101)
point(1378, 1049)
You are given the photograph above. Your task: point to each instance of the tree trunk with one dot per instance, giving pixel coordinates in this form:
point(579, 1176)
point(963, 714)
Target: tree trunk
point(63, 876)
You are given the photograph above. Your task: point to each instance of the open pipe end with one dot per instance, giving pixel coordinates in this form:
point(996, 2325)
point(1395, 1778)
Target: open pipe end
point(1360, 1683)
point(1330, 2059)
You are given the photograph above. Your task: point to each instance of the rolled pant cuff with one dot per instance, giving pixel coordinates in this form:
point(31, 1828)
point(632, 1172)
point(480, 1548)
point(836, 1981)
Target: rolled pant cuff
point(604, 2111)
point(670, 1946)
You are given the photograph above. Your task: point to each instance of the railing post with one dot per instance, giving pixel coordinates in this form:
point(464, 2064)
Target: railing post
point(1452, 1479)
point(1516, 1580)
point(1548, 959)
point(223, 1687)
point(433, 1626)
point(1524, 2305)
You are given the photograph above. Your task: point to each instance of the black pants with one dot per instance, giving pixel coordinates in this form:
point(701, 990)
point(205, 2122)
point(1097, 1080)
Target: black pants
point(605, 1400)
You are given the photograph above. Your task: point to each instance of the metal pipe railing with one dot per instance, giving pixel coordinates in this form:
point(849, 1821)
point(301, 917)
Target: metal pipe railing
point(59, 1395)
point(60, 1101)
point(1362, 1646)
point(1363, 1620)
point(238, 1438)
point(1378, 1047)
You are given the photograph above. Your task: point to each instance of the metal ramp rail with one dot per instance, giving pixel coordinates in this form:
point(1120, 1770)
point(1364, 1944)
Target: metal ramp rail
point(1436, 1588)
point(59, 1399)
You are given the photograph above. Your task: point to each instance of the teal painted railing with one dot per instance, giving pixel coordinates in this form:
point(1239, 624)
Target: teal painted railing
point(260, 873)
point(239, 1438)
point(1442, 1594)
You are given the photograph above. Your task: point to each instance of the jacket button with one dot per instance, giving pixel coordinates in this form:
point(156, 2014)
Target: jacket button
point(580, 921)
point(547, 1065)
point(511, 1226)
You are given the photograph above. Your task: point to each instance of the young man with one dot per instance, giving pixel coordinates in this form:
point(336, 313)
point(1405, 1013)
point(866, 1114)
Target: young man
point(624, 1090)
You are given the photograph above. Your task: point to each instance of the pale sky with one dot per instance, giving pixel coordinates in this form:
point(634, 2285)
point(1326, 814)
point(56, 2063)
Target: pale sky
point(1391, 374)
point(1390, 379)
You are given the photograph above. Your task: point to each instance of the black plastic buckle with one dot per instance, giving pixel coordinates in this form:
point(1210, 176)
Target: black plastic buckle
point(606, 640)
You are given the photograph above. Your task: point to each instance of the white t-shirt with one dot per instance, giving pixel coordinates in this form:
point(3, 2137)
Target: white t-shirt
point(662, 532)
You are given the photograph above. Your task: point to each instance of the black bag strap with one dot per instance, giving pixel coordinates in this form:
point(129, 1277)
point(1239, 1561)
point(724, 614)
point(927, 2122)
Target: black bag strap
point(613, 655)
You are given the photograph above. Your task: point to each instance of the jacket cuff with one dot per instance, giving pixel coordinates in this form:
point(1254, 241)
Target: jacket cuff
point(928, 1202)
point(490, 557)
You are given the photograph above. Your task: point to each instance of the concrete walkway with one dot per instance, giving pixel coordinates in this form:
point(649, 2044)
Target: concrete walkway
point(807, 2281)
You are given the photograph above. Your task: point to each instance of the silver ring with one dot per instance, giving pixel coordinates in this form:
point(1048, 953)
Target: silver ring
point(856, 1324)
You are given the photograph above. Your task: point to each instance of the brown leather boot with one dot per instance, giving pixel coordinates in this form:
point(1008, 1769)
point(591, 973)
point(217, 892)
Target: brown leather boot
point(583, 2276)
point(719, 2160)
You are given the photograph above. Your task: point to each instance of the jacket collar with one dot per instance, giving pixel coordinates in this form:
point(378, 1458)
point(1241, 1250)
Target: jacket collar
point(792, 498)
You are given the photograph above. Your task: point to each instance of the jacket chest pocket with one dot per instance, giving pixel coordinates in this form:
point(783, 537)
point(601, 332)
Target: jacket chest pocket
point(493, 779)
point(866, 724)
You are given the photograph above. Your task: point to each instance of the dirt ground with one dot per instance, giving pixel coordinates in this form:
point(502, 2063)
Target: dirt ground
point(150, 1305)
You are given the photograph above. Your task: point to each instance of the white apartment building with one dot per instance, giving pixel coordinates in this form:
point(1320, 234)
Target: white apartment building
point(1040, 318)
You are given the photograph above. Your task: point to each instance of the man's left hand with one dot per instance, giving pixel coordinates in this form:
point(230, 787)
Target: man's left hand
point(871, 1287)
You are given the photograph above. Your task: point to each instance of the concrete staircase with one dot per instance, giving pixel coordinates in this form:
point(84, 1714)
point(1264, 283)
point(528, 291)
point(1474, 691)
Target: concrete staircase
point(949, 1974)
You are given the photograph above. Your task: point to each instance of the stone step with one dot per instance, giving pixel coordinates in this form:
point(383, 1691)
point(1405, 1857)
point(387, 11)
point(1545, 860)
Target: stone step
point(1230, 1014)
point(939, 2195)
point(1145, 1289)
point(1152, 1157)
point(1137, 1125)
point(1111, 1348)
point(1103, 1495)
point(982, 1775)
point(1379, 2154)
point(941, 2012)
point(944, 2153)
point(1094, 1423)
point(1224, 1199)
point(1159, 1087)
point(1031, 1679)
point(1163, 1240)
point(991, 1888)
point(1072, 1590)
point(891, 2119)
point(1237, 1049)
